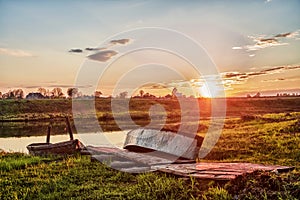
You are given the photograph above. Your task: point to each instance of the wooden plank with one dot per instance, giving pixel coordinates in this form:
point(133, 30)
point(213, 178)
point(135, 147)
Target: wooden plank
point(136, 169)
point(217, 171)
point(124, 164)
point(150, 158)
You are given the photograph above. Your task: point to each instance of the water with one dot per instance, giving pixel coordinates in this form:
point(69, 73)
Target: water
point(14, 137)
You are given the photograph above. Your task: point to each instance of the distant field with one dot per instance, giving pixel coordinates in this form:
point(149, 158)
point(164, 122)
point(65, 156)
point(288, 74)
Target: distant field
point(12, 109)
point(31, 117)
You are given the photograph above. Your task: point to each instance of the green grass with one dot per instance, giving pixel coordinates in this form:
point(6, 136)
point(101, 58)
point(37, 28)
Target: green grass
point(269, 138)
point(79, 178)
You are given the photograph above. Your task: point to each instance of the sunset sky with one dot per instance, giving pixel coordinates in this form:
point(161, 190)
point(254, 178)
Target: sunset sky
point(254, 45)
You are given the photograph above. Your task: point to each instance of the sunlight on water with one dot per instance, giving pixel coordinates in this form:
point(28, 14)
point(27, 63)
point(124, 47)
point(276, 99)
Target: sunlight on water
point(18, 144)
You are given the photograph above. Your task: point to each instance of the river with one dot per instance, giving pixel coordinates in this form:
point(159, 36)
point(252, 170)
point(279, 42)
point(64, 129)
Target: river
point(14, 137)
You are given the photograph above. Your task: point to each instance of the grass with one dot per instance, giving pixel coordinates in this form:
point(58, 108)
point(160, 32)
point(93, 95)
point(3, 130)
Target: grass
point(79, 178)
point(271, 138)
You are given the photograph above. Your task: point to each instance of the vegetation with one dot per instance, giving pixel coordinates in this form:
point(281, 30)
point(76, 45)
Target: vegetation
point(269, 138)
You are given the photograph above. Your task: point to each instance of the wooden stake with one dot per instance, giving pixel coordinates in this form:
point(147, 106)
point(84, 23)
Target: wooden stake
point(69, 128)
point(48, 133)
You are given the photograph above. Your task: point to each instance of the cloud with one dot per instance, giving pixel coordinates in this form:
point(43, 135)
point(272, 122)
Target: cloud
point(237, 48)
point(231, 78)
point(273, 69)
point(75, 51)
point(295, 78)
point(233, 74)
point(15, 52)
point(120, 41)
point(69, 86)
point(155, 86)
point(274, 80)
point(103, 56)
point(94, 49)
point(284, 35)
point(261, 42)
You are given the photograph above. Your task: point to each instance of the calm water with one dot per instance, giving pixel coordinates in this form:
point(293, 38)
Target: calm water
point(16, 136)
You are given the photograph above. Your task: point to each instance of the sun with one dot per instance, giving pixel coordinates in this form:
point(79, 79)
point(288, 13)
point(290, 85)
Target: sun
point(211, 90)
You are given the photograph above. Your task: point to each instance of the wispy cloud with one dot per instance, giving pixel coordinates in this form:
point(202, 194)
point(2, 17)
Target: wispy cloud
point(104, 53)
point(155, 86)
point(94, 49)
point(103, 56)
point(231, 78)
point(69, 86)
point(75, 50)
point(261, 42)
point(15, 52)
point(120, 41)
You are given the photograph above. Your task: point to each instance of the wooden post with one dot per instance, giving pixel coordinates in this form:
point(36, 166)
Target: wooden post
point(69, 128)
point(48, 133)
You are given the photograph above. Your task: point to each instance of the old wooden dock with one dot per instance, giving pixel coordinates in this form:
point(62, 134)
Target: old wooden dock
point(124, 160)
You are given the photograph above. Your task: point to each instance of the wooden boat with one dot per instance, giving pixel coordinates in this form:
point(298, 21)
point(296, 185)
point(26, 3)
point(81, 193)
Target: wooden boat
point(60, 148)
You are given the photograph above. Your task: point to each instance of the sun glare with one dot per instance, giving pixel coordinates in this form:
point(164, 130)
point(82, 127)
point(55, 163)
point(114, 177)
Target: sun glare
point(211, 90)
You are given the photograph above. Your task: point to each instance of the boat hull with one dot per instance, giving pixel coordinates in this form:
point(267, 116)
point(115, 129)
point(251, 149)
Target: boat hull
point(149, 140)
point(61, 148)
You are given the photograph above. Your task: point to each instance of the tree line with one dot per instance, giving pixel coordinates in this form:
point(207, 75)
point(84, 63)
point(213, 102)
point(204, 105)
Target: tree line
point(57, 93)
point(42, 93)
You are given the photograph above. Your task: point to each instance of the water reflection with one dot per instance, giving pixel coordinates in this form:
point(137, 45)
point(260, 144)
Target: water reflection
point(39, 128)
point(18, 144)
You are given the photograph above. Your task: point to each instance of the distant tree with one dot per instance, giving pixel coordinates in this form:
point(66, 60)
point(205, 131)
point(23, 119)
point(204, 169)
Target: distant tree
point(98, 94)
point(43, 91)
point(35, 95)
point(79, 95)
point(257, 95)
point(248, 96)
point(174, 92)
point(14, 94)
point(168, 96)
point(142, 93)
point(19, 93)
point(0, 95)
point(72, 92)
point(123, 95)
point(57, 92)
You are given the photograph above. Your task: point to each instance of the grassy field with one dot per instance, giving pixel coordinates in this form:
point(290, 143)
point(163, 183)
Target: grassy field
point(31, 117)
point(269, 138)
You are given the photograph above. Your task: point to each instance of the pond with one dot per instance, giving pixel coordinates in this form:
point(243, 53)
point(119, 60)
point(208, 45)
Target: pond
point(15, 136)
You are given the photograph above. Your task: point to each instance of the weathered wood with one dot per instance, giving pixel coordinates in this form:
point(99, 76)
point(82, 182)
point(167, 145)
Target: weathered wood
point(138, 157)
point(177, 144)
point(68, 147)
point(69, 128)
point(218, 171)
point(48, 133)
point(143, 162)
point(136, 169)
point(124, 164)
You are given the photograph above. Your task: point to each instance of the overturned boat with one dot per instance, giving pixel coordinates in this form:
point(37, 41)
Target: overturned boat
point(182, 145)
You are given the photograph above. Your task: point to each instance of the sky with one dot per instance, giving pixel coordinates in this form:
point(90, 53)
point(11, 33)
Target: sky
point(199, 47)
